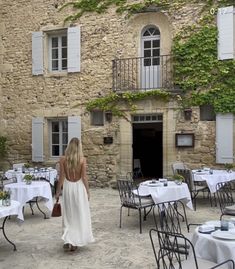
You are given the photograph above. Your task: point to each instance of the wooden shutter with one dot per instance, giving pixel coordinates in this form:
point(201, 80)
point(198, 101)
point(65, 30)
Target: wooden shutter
point(37, 139)
point(225, 24)
point(74, 49)
point(224, 138)
point(37, 53)
point(74, 127)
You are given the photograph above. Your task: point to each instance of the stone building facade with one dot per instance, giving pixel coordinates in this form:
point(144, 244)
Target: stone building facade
point(58, 96)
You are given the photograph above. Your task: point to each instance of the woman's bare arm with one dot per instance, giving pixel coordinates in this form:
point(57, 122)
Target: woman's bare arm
point(61, 178)
point(84, 177)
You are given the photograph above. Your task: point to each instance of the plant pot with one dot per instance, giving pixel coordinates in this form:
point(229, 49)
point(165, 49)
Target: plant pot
point(28, 182)
point(6, 202)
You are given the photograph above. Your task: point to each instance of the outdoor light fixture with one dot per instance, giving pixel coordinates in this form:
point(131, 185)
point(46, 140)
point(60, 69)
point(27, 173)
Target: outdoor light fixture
point(108, 116)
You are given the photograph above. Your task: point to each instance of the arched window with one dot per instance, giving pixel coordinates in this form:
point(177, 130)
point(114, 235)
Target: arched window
point(151, 46)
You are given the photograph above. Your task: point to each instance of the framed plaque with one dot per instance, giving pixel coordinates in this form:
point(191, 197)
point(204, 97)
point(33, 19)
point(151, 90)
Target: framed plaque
point(184, 140)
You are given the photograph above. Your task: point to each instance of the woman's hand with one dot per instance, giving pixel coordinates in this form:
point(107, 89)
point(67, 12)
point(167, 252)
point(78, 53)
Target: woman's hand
point(57, 197)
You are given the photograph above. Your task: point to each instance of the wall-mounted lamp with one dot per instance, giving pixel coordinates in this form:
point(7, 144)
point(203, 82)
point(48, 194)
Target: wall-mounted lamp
point(187, 113)
point(108, 116)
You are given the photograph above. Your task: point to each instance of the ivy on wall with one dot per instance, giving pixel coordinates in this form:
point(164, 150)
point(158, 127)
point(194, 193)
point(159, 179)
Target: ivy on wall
point(199, 74)
point(111, 102)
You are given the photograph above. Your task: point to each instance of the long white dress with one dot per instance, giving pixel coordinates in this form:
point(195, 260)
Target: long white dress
point(76, 218)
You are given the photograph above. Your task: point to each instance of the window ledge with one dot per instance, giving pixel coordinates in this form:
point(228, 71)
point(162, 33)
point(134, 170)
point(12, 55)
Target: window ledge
point(56, 74)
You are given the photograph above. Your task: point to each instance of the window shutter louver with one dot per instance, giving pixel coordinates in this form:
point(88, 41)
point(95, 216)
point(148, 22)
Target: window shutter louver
point(226, 35)
point(74, 127)
point(37, 139)
point(37, 53)
point(224, 138)
point(74, 49)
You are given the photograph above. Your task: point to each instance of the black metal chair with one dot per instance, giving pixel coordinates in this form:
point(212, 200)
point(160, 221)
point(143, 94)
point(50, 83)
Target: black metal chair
point(194, 189)
point(173, 256)
point(167, 216)
point(130, 199)
point(225, 198)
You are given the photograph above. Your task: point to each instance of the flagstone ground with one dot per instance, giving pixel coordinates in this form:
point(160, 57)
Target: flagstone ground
point(39, 243)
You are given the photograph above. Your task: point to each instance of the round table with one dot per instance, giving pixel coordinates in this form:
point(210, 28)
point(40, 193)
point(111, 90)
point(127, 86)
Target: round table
point(213, 249)
point(48, 174)
point(161, 193)
point(24, 193)
point(5, 212)
point(213, 179)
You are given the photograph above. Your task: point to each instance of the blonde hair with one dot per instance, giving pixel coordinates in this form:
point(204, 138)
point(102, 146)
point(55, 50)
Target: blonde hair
point(73, 154)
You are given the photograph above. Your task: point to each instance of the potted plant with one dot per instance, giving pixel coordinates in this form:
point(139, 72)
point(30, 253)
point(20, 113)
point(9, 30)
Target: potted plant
point(178, 179)
point(228, 167)
point(28, 179)
point(5, 197)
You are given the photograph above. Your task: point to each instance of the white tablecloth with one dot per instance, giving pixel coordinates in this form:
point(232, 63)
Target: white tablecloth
point(212, 249)
point(23, 193)
point(213, 179)
point(49, 174)
point(13, 209)
point(168, 193)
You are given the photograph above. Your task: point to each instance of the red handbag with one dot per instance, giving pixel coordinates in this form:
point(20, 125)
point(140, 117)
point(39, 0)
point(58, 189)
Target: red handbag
point(56, 211)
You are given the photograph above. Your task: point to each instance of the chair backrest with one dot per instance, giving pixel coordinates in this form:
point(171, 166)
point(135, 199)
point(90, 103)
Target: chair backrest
point(167, 216)
point(174, 249)
point(126, 190)
point(187, 174)
point(224, 194)
point(178, 165)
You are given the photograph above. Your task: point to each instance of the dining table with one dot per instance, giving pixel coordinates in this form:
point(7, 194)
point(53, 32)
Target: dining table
point(164, 191)
point(212, 177)
point(27, 193)
point(216, 245)
point(47, 173)
point(5, 212)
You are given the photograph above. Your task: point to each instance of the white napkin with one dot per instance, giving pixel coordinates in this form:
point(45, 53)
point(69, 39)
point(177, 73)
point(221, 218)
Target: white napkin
point(206, 228)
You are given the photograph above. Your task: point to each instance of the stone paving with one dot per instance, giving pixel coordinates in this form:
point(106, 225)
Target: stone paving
point(39, 243)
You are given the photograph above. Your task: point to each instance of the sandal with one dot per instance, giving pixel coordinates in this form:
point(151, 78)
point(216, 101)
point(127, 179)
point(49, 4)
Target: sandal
point(73, 248)
point(66, 247)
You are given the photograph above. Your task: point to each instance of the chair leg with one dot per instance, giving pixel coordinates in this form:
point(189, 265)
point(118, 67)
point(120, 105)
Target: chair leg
point(120, 224)
point(140, 220)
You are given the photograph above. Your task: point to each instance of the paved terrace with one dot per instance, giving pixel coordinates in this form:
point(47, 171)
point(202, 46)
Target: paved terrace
point(39, 245)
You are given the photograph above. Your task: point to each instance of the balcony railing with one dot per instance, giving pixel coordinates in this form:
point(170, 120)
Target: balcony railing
point(143, 73)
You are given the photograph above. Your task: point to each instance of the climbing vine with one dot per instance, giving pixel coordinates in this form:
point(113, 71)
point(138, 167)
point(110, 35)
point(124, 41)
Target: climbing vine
point(197, 71)
point(112, 101)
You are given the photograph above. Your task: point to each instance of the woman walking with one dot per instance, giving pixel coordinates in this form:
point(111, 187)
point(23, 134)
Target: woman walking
point(76, 220)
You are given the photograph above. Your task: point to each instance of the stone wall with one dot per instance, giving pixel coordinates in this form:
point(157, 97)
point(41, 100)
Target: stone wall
point(103, 38)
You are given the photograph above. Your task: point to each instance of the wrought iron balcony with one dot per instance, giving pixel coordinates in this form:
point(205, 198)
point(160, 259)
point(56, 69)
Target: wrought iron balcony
point(142, 73)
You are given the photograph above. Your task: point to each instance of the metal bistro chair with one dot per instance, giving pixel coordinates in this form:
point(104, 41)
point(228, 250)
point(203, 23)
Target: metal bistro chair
point(172, 256)
point(178, 165)
point(225, 198)
point(130, 199)
point(194, 189)
point(167, 216)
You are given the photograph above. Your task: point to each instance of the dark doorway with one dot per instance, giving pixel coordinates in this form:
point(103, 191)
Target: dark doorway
point(147, 147)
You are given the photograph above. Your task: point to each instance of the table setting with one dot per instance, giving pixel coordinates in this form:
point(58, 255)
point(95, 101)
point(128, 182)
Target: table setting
point(163, 190)
point(18, 174)
point(214, 240)
point(213, 176)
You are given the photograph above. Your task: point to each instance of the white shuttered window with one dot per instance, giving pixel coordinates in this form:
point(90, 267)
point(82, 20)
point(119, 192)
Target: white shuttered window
point(226, 33)
point(224, 138)
point(63, 51)
point(60, 132)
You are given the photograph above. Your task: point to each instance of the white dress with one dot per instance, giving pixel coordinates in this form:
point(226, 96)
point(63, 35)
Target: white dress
point(76, 219)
